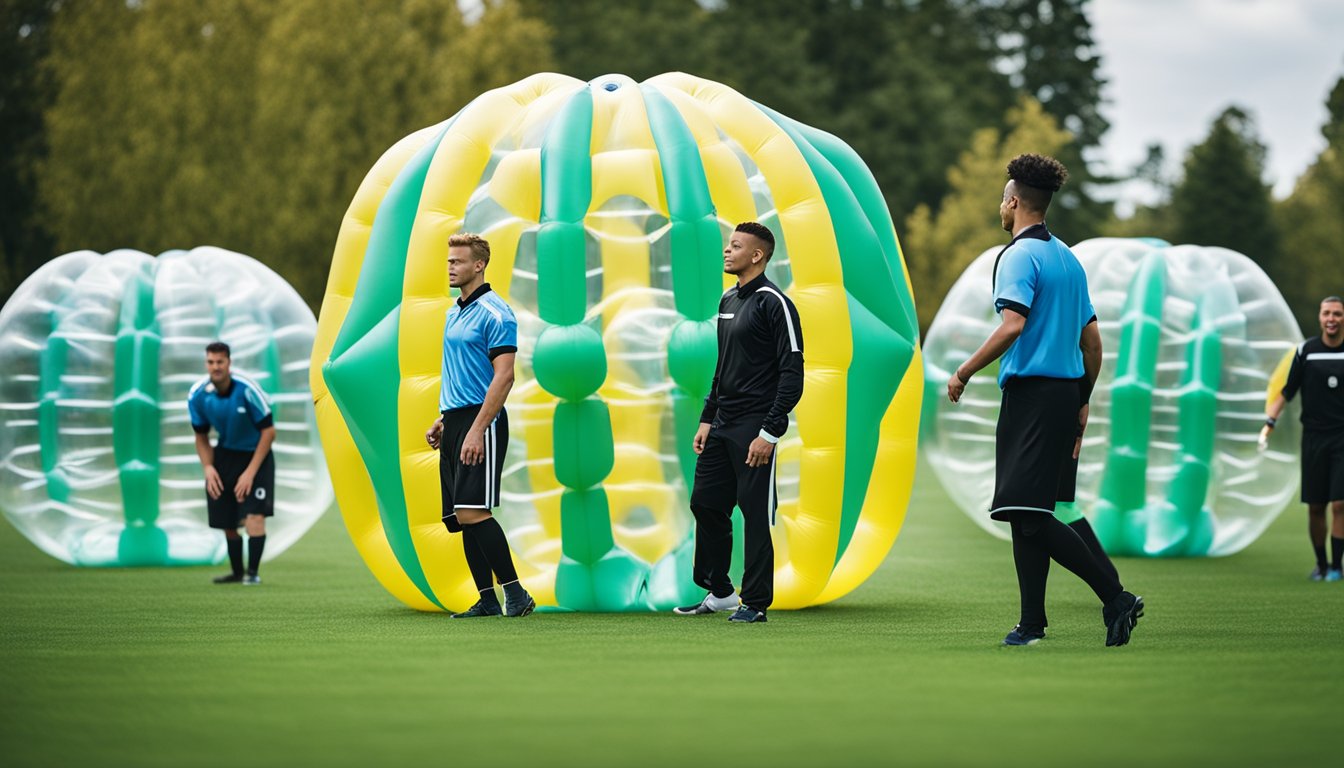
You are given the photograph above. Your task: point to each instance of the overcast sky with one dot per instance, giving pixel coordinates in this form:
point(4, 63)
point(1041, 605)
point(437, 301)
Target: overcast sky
point(1173, 65)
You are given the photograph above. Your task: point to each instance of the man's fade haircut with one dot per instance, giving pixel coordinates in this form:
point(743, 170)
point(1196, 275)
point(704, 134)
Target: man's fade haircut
point(1332, 300)
point(762, 232)
point(480, 247)
point(1038, 179)
point(218, 348)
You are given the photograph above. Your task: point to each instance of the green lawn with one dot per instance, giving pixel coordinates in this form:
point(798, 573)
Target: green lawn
point(1239, 661)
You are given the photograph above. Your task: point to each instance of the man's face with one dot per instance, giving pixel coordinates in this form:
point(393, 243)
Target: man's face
point(462, 268)
point(742, 251)
point(217, 367)
point(1332, 318)
point(1008, 206)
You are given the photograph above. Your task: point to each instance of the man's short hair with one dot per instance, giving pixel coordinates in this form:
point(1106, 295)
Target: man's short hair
point(1038, 179)
point(480, 247)
point(760, 231)
point(1332, 300)
point(218, 348)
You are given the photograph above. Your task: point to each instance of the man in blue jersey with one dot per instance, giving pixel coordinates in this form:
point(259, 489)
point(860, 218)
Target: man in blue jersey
point(239, 468)
point(1051, 354)
point(480, 340)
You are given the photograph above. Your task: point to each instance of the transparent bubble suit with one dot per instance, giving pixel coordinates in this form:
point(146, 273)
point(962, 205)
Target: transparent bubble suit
point(97, 354)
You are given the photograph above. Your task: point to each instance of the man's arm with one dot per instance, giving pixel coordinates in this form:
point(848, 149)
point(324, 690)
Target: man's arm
point(473, 446)
point(244, 485)
point(206, 453)
point(1280, 401)
point(788, 335)
point(1090, 343)
point(998, 342)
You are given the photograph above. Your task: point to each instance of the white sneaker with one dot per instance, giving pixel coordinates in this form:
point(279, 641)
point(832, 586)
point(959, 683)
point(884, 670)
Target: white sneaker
point(710, 604)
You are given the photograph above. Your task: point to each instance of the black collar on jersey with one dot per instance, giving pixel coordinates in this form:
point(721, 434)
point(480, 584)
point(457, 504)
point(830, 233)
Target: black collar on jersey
point(1035, 232)
point(750, 288)
point(476, 294)
point(225, 392)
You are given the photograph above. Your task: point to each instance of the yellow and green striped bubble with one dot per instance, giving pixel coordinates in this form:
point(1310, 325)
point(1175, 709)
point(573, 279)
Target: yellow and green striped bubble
point(606, 204)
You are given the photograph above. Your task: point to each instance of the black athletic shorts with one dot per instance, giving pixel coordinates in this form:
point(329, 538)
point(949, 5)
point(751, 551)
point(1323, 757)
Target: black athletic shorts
point(1033, 445)
point(475, 486)
point(1322, 467)
point(227, 511)
point(723, 479)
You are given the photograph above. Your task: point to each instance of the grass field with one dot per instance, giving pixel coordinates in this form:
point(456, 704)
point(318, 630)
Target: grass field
point(1239, 661)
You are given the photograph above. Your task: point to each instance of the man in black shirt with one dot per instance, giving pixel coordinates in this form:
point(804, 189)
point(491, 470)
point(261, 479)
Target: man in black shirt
point(757, 382)
point(1318, 372)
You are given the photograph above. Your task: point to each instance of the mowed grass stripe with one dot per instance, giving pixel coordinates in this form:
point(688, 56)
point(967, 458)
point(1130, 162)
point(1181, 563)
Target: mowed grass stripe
point(1238, 662)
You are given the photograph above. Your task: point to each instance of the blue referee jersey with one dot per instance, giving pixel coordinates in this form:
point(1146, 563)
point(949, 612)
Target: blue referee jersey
point(1039, 277)
point(479, 328)
point(238, 415)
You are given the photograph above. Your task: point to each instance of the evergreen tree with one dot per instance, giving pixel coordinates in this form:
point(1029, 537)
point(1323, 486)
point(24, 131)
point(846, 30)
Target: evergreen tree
point(1312, 223)
point(1222, 199)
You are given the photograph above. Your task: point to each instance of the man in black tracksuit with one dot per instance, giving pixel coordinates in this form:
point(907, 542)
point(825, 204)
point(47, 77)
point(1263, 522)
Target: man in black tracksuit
point(757, 382)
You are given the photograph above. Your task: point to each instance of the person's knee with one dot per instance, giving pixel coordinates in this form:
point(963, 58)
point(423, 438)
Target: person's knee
point(471, 515)
point(1027, 523)
point(231, 533)
point(1318, 510)
point(704, 512)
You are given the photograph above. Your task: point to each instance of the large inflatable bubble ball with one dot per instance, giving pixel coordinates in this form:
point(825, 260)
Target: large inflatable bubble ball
point(1194, 340)
point(607, 204)
point(98, 463)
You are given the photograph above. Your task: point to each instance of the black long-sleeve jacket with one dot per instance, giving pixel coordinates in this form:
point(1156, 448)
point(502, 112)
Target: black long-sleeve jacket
point(759, 376)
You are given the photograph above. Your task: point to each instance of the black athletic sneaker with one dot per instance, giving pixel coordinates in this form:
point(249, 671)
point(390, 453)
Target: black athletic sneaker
point(519, 609)
point(746, 615)
point(251, 580)
point(481, 608)
point(1317, 574)
point(710, 604)
point(229, 578)
point(1121, 616)
point(1020, 636)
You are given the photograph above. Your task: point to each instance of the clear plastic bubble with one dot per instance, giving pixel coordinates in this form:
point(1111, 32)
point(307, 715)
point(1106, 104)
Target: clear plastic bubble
point(97, 353)
point(1199, 497)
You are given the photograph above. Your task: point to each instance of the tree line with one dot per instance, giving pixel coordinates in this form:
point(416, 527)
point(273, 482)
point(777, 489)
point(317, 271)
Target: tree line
point(158, 124)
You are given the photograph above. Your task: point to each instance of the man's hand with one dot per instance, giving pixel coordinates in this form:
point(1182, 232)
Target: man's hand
point(213, 485)
point(473, 448)
point(244, 485)
point(435, 433)
point(955, 386)
point(1082, 427)
point(701, 435)
point(1263, 443)
point(758, 453)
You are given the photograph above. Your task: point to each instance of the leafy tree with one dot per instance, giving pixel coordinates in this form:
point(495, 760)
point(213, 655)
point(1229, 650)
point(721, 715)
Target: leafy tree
point(25, 92)
point(1222, 199)
point(1312, 223)
point(249, 124)
point(938, 247)
point(1153, 220)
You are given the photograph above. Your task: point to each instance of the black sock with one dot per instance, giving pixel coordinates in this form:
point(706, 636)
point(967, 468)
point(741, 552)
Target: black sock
point(1320, 555)
point(1336, 552)
point(255, 545)
point(236, 554)
point(1033, 568)
point(1089, 537)
point(1069, 551)
point(495, 545)
point(480, 567)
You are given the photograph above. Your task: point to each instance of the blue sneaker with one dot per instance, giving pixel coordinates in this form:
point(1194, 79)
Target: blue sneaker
point(1020, 636)
point(1334, 574)
point(1318, 573)
point(745, 614)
